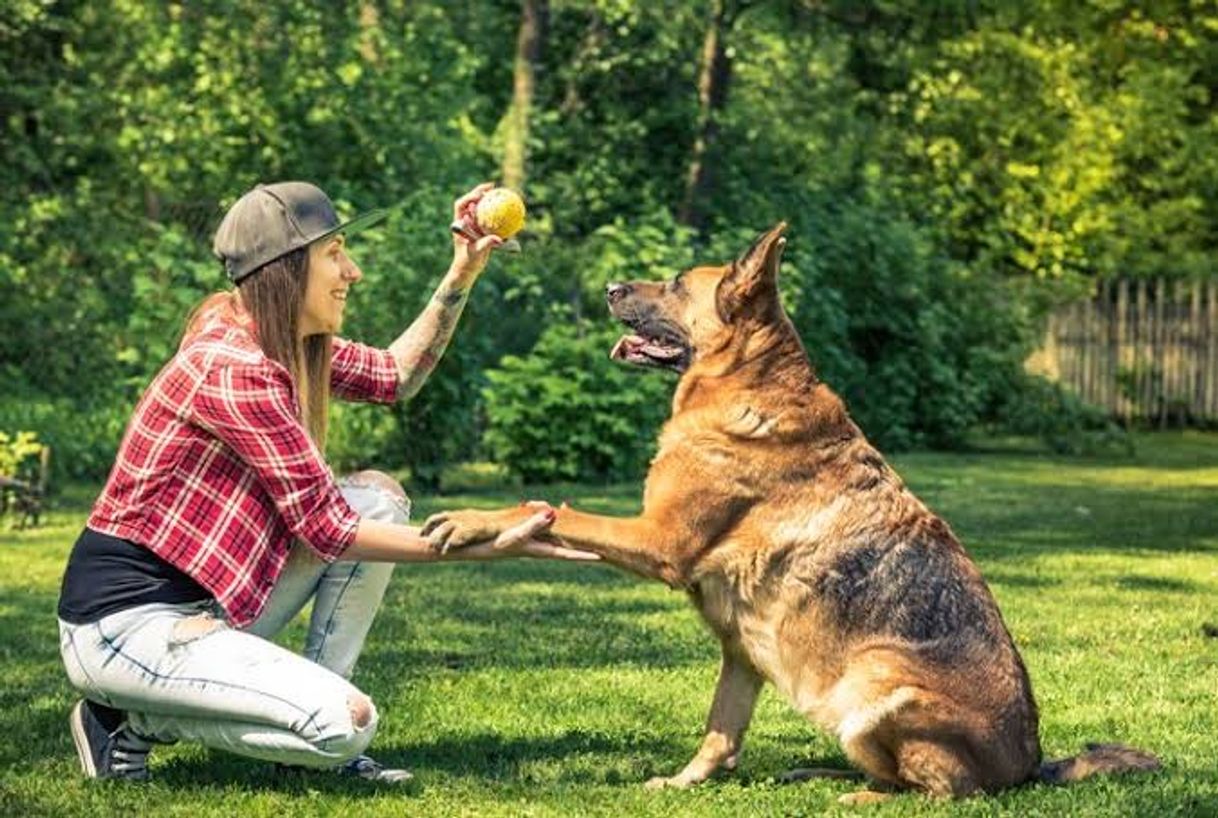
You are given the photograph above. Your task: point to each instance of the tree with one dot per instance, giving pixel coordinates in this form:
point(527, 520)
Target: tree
point(714, 80)
point(530, 45)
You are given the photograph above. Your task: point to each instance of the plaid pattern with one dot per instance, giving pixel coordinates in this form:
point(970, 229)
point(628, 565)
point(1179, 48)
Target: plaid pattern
point(216, 474)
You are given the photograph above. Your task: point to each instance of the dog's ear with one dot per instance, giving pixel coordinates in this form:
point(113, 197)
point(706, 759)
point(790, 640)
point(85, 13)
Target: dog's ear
point(753, 275)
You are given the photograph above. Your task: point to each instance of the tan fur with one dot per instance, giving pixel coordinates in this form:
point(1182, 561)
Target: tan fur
point(807, 556)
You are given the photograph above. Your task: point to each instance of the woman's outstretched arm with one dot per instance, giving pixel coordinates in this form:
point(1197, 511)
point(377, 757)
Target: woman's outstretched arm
point(378, 541)
point(417, 350)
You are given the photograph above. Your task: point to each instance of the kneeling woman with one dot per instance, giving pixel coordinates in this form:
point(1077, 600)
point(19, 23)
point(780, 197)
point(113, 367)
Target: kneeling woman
point(220, 518)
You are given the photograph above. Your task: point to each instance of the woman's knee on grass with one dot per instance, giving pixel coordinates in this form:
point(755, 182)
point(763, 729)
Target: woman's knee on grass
point(362, 711)
point(344, 728)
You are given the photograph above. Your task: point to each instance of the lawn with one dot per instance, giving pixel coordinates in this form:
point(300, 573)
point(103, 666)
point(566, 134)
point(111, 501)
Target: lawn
point(530, 688)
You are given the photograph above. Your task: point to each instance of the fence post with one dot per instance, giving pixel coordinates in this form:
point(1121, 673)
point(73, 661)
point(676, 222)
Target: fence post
point(1211, 358)
point(1196, 373)
point(1122, 329)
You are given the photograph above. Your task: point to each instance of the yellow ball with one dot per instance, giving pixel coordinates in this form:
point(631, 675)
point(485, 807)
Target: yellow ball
point(500, 211)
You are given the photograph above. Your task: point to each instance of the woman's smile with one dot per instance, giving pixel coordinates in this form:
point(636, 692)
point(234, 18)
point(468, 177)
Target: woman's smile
point(331, 274)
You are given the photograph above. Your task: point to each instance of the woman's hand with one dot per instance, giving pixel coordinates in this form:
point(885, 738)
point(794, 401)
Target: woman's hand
point(470, 254)
point(522, 540)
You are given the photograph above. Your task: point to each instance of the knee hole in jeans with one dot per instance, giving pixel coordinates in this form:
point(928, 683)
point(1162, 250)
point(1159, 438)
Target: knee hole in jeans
point(371, 478)
point(362, 711)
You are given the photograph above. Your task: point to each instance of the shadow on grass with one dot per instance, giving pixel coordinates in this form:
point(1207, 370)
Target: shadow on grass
point(1137, 582)
point(555, 631)
point(1013, 579)
point(1019, 521)
point(499, 757)
point(1128, 582)
point(1179, 451)
point(495, 759)
point(529, 614)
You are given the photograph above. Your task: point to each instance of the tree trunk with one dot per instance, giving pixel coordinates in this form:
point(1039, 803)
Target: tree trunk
point(530, 40)
point(714, 75)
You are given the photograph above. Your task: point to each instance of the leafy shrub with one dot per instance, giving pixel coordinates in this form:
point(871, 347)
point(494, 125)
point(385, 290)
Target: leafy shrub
point(83, 440)
point(1045, 410)
point(476, 477)
point(361, 437)
point(566, 412)
point(916, 345)
point(15, 450)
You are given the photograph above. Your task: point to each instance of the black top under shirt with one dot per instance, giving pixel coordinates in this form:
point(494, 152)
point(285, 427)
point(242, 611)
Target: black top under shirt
point(106, 575)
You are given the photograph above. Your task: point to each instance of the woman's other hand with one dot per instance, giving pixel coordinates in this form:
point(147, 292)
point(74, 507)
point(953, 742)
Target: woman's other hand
point(470, 254)
point(525, 540)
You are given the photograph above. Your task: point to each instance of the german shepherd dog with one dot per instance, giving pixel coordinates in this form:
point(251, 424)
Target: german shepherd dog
point(806, 555)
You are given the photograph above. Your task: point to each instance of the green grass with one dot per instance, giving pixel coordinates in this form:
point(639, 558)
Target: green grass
point(530, 688)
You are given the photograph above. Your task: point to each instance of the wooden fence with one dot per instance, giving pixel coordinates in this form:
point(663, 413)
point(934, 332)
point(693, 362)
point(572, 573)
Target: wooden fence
point(1143, 350)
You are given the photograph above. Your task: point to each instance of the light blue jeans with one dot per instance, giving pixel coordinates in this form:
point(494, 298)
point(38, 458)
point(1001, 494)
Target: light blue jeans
point(181, 673)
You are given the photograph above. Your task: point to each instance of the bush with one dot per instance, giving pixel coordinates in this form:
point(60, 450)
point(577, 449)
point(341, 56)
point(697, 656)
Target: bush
point(478, 477)
point(1040, 408)
point(15, 450)
point(566, 412)
point(361, 437)
point(917, 346)
point(83, 440)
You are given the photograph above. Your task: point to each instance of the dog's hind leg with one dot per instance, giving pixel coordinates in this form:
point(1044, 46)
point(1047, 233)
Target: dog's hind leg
point(735, 697)
point(918, 745)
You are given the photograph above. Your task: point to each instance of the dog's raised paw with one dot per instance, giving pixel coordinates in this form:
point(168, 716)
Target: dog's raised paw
point(437, 530)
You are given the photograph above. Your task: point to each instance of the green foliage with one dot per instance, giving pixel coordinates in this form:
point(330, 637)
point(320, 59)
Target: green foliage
point(566, 412)
point(950, 169)
point(919, 349)
point(360, 437)
point(1044, 410)
point(1060, 140)
point(83, 439)
point(478, 477)
point(618, 111)
point(15, 449)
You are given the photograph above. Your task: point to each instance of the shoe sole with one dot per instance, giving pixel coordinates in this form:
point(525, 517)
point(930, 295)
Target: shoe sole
point(397, 777)
point(77, 723)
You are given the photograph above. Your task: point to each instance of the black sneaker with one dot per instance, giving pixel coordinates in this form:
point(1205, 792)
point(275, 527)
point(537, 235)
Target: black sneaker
point(371, 770)
point(107, 748)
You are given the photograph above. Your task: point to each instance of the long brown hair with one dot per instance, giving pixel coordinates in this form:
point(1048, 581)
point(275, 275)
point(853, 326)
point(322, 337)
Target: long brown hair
point(274, 295)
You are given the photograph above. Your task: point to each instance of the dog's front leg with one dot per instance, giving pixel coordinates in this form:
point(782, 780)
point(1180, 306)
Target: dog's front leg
point(643, 545)
point(640, 545)
point(735, 696)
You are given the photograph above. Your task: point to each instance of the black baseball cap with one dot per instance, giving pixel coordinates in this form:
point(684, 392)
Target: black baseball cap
point(271, 221)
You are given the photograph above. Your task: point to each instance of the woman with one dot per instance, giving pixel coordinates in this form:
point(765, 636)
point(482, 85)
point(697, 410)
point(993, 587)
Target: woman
point(220, 518)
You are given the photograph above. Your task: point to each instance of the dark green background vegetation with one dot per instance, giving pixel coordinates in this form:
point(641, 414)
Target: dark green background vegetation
point(950, 168)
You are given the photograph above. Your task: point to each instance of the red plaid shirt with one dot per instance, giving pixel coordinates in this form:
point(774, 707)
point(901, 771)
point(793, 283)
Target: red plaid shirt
point(216, 473)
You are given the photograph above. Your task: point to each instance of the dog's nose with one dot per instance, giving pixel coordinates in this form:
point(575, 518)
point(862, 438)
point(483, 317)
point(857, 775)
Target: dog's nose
point(615, 292)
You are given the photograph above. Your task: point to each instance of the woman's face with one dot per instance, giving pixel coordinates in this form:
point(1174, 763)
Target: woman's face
point(331, 274)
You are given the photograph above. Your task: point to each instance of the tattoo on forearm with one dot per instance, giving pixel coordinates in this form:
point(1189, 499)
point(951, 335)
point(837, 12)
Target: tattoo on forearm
point(451, 297)
point(420, 347)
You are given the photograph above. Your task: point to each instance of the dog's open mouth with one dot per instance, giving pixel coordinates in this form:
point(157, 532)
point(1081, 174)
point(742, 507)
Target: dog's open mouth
point(646, 351)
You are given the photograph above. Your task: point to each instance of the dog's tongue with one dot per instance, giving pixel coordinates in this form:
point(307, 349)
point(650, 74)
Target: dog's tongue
point(627, 345)
point(634, 347)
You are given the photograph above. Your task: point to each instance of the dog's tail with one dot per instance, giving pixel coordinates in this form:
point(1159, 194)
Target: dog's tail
point(1099, 759)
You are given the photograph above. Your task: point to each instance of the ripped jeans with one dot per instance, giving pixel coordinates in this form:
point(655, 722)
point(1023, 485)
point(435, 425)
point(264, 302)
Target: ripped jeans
point(181, 673)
